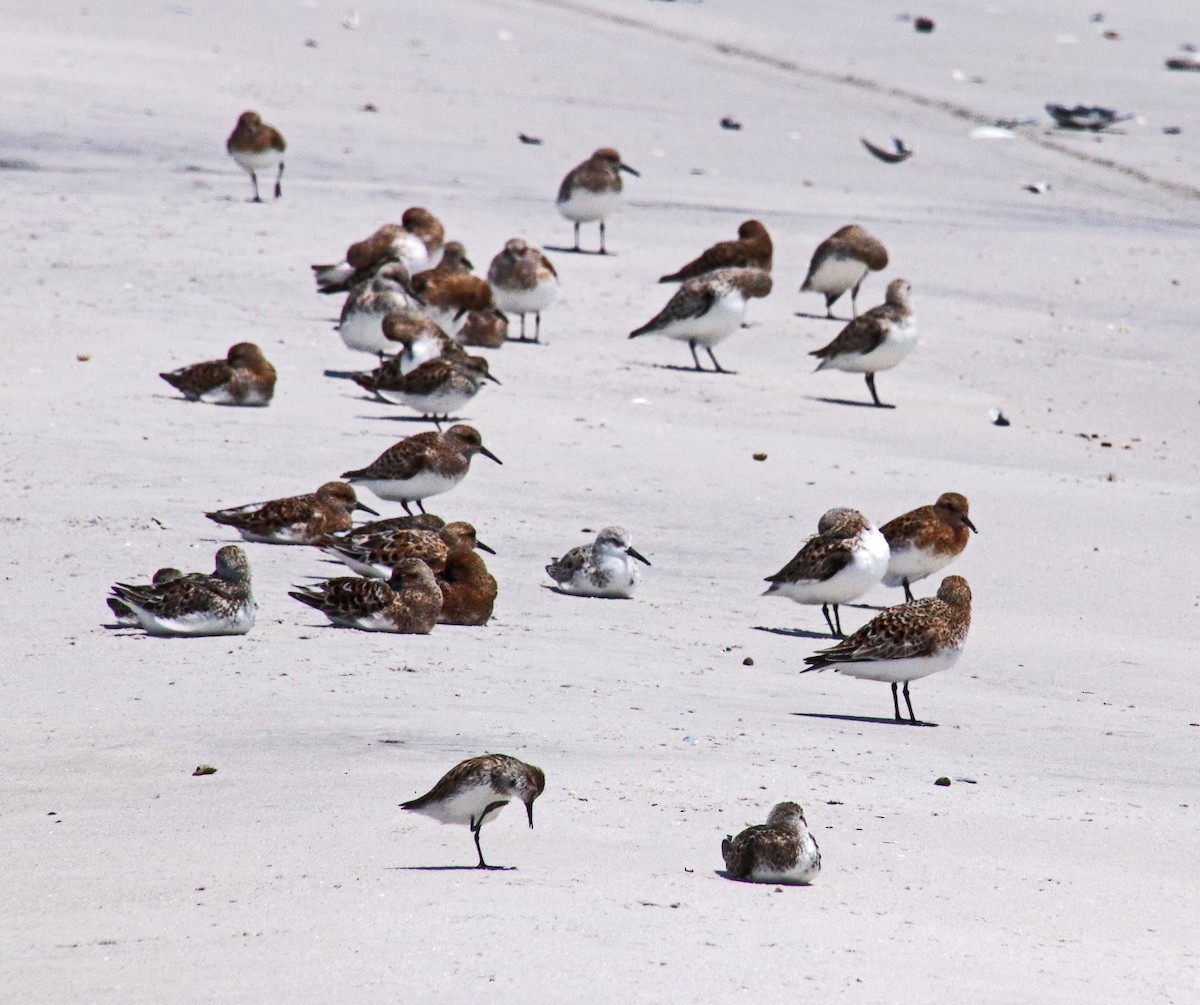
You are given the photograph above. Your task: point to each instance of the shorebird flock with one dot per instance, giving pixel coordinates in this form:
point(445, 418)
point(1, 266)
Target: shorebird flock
point(414, 306)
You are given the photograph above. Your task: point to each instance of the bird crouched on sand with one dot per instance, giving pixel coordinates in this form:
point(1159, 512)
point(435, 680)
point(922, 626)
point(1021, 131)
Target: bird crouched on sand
point(840, 563)
point(195, 605)
point(407, 604)
point(376, 555)
point(255, 147)
point(591, 191)
point(243, 377)
point(423, 465)
point(387, 291)
point(475, 790)
point(927, 539)
point(905, 643)
point(304, 519)
point(602, 569)
point(780, 851)
point(416, 242)
point(447, 299)
point(468, 589)
point(752, 250)
point(706, 310)
point(841, 262)
point(877, 340)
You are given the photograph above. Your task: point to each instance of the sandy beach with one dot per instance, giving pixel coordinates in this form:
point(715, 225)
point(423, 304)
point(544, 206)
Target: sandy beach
point(1058, 865)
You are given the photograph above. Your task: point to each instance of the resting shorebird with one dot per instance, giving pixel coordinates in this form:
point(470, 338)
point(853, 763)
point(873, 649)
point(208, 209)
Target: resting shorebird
point(416, 243)
point(601, 569)
point(255, 147)
point(125, 615)
point(926, 539)
point(243, 377)
point(423, 465)
point(877, 340)
point(841, 262)
point(388, 291)
point(196, 604)
point(475, 790)
point(752, 250)
point(905, 643)
point(302, 519)
point(706, 310)
point(447, 298)
point(780, 851)
point(523, 282)
point(407, 604)
point(468, 589)
point(592, 191)
point(375, 556)
point(840, 563)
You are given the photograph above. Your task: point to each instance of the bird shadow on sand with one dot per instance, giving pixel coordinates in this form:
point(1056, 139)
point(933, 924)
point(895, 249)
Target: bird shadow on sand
point(449, 868)
point(578, 251)
point(583, 596)
point(796, 633)
point(874, 719)
point(726, 874)
point(868, 607)
point(680, 368)
point(820, 317)
point(413, 418)
point(848, 401)
point(341, 374)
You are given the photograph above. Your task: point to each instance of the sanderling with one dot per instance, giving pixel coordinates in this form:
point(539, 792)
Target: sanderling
point(302, 519)
point(601, 569)
point(840, 563)
point(440, 387)
point(423, 465)
point(926, 539)
point(752, 250)
point(876, 340)
point(366, 531)
point(780, 851)
point(841, 262)
point(407, 604)
point(592, 191)
point(243, 377)
point(217, 604)
point(125, 615)
point(376, 555)
point(468, 589)
point(475, 790)
point(415, 242)
point(706, 310)
point(255, 147)
point(486, 329)
point(448, 298)
point(369, 302)
point(454, 261)
point(905, 643)
point(415, 338)
point(523, 282)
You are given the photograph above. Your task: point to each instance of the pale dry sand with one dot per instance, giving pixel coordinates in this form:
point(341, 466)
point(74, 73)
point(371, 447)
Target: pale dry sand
point(1066, 873)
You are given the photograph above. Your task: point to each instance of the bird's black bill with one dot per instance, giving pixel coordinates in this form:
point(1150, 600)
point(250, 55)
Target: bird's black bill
point(488, 376)
point(366, 509)
point(529, 813)
point(974, 530)
point(634, 553)
point(483, 547)
point(489, 455)
point(626, 167)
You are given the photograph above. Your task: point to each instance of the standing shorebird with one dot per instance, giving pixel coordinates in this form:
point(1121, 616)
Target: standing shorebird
point(523, 282)
point(752, 250)
point(841, 562)
point(905, 643)
point(416, 242)
point(841, 262)
point(592, 191)
point(877, 340)
point(780, 851)
point(440, 387)
point(243, 377)
point(423, 465)
point(601, 569)
point(304, 519)
point(706, 310)
point(255, 147)
point(196, 604)
point(475, 790)
point(926, 539)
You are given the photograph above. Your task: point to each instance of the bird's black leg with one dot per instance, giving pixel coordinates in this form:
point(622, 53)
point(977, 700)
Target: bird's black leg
point(720, 369)
point(537, 326)
point(254, 182)
point(829, 306)
point(854, 299)
point(837, 619)
point(279, 181)
point(603, 250)
point(829, 620)
point(576, 235)
point(522, 327)
point(896, 701)
point(476, 829)
point(420, 505)
point(695, 358)
point(404, 503)
point(908, 702)
point(907, 590)
point(871, 388)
